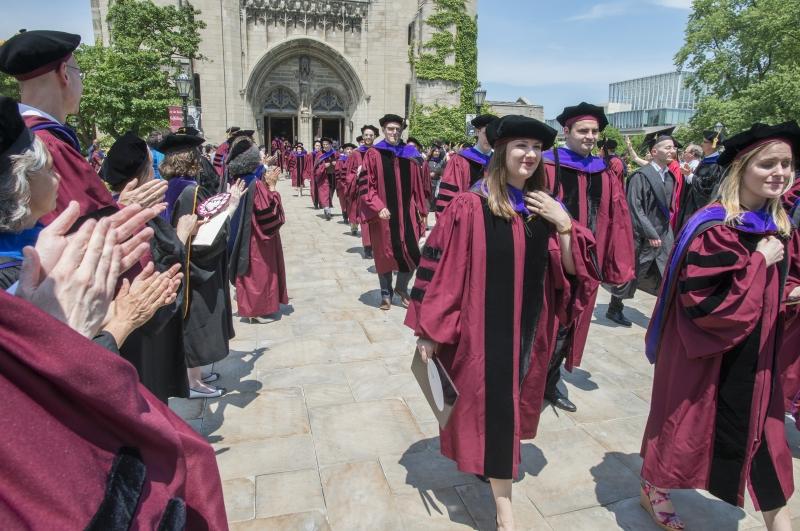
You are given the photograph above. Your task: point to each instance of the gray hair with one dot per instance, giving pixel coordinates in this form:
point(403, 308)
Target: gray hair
point(15, 191)
point(695, 150)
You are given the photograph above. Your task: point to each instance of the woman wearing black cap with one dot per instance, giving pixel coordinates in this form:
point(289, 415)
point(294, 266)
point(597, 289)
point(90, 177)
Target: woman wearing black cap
point(503, 267)
point(208, 319)
point(717, 414)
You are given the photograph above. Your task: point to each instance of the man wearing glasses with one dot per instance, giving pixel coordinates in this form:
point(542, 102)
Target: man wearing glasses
point(394, 205)
point(51, 85)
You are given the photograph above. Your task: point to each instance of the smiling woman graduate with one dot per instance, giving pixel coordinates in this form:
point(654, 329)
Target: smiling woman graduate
point(716, 413)
point(504, 266)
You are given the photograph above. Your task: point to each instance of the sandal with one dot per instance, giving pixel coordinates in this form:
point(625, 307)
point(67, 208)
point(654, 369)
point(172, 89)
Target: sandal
point(651, 497)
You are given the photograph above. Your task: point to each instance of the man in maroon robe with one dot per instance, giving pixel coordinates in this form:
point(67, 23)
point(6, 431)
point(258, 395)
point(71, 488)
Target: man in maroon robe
point(86, 445)
point(466, 167)
point(342, 183)
point(596, 199)
point(368, 135)
point(393, 203)
point(297, 167)
point(310, 158)
point(324, 169)
point(222, 151)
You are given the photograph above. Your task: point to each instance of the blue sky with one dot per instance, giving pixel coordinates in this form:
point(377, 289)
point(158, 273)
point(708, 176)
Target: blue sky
point(554, 53)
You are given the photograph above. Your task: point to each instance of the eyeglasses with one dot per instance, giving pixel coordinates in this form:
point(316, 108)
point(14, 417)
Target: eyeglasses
point(81, 74)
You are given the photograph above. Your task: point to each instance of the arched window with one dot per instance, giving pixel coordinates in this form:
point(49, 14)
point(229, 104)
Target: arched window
point(280, 99)
point(327, 101)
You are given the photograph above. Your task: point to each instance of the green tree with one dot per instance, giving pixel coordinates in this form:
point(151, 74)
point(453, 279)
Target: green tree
point(9, 86)
point(127, 85)
point(745, 56)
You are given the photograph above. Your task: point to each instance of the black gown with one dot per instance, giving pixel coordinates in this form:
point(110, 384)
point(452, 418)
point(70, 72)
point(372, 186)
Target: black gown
point(208, 321)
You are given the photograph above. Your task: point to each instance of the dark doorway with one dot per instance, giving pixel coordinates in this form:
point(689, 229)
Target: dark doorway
point(280, 126)
point(330, 127)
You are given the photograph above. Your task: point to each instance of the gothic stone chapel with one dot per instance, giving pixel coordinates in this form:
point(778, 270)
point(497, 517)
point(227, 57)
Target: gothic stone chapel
point(302, 69)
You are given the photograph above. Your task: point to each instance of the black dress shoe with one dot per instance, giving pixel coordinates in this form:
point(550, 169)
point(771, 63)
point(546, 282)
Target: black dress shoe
point(367, 252)
point(482, 478)
point(562, 402)
point(618, 317)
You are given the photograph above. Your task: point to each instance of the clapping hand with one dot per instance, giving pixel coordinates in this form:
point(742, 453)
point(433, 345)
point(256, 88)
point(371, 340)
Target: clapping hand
point(147, 195)
point(237, 191)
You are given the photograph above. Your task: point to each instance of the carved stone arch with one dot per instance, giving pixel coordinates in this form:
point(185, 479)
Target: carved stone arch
point(280, 99)
point(328, 101)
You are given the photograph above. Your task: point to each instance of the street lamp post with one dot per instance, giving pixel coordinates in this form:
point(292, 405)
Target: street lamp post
point(478, 97)
point(183, 84)
point(718, 127)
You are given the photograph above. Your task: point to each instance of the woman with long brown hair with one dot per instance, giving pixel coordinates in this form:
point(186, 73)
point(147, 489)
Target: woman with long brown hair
point(716, 414)
point(503, 267)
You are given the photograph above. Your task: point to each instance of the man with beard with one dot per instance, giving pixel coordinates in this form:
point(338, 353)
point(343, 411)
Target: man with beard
point(393, 203)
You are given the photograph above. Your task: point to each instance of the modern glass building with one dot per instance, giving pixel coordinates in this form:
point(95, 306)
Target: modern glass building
point(663, 99)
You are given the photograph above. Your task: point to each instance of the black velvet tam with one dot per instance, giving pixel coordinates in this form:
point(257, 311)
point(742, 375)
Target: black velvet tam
point(125, 160)
point(29, 54)
point(583, 109)
point(517, 126)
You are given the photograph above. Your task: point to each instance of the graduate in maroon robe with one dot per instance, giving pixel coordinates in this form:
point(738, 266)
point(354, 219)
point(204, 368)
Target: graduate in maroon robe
point(368, 135)
point(393, 203)
point(596, 199)
point(717, 410)
point(467, 166)
point(51, 88)
point(504, 266)
point(789, 358)
point(341, 177)
point(615, 165)
point(256, 263)
point(86, 445)
point(297, 167)
point(324, 170)
point(221, 152)
point(309, 176)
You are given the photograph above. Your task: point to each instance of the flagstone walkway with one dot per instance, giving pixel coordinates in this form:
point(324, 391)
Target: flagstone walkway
point(324, 426)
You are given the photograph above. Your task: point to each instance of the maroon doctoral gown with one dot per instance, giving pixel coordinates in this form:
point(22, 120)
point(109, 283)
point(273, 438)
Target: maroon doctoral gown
point(355, 181)
point(79, 182)
point(459, 174)
point(395, 183)
point(717, 412)
point(322, 182)
point(309, 176)
point(492, 293)
point(789, 358)
point(342, 184)
point(597, 201)
point(257, 265)
point(297, 168)
point(84, 440)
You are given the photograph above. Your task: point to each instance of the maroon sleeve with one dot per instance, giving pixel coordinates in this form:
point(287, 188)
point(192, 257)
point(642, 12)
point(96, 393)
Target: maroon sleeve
point(443, 275)
point(422, 193)
point(370, 202)
point(574, 294)
point(268, 214)
point(619, 256)
point(452, 182)
point(721, 292)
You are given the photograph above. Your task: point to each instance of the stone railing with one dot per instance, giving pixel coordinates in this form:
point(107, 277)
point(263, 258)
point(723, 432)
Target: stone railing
point(341, 15)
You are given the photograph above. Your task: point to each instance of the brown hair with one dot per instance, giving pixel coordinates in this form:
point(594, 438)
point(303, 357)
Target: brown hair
point(732, 182)
point(184, 163)
point(497, 179)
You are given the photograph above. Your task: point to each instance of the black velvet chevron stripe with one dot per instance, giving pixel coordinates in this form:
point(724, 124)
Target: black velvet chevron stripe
point(710, 303)
point(432, 253)
point(361, 181)
point(445, 198)
point(123, 490)
point(448, 186)
point(440, 208)
point(423, 273)
point(698, 283)
point(269, 210)
point(174, 517)
point(723, 259)
point(417, 294)
point(363, 192)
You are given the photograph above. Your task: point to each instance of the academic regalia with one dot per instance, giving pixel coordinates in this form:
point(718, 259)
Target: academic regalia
point(650, 202)
point(79, 181)
point(297, 168)
point(219, 158)
point(717, 413)
point(208, 322)
point(391, 177)
point(354, 162)
point(309, 176)
point(342, 182)
point(256, 263)
point(595, 198)
point(322, 177)
point(461, 172)
point(492, 293)
point(789, 358)
point(617, 168)
point(86, 443)
point(701, 191)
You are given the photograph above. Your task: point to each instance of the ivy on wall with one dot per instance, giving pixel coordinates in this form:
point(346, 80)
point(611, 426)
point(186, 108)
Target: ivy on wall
point(456, 35)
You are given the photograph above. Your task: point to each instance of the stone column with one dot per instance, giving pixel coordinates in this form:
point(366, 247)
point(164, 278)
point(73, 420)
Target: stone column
point(304, 133)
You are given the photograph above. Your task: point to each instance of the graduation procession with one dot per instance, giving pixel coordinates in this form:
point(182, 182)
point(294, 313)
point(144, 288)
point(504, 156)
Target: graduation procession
point(344, 290)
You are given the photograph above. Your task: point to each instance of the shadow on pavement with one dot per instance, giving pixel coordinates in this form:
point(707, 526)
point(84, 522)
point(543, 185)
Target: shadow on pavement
point(371, 298)
point(580, 378)
point(633, 315)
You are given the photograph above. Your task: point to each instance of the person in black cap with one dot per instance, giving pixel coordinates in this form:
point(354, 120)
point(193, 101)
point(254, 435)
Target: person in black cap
point(706, 180)
point(342, 183)
point(222, 150)
point(393, 203)
point(369, 133)
point(467, 166)
point(297, 168)
point(208, 318)
point(502, 266)
point(324, 175)
point(312, 185)
point(616, 166)
point(652, 192)
point(717, 380)
point(595, 197)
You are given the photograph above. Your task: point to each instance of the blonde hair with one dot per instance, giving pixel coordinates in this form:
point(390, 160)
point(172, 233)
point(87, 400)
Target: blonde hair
point(732, 182)
point(497, 181)
point(184, 163)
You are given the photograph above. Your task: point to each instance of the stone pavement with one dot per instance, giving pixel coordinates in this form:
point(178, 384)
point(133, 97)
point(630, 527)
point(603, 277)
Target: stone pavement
point(324, 426)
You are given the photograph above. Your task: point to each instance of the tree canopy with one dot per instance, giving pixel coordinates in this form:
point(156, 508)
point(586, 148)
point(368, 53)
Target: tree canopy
point(745, 55)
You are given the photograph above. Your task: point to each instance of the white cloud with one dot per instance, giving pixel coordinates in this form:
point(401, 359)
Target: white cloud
point(675, 4)
point(602, 10)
